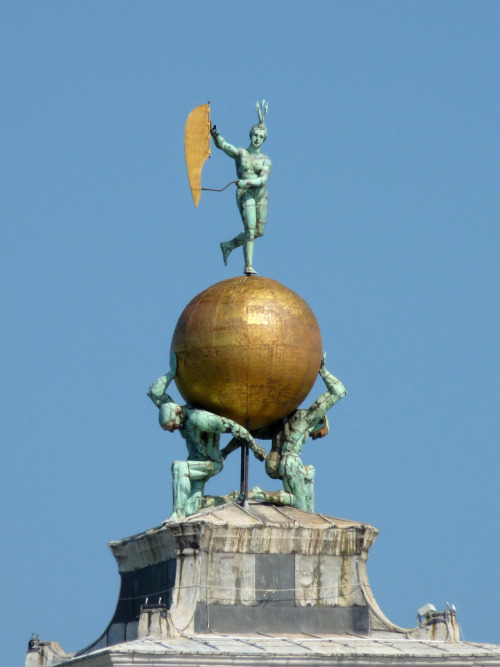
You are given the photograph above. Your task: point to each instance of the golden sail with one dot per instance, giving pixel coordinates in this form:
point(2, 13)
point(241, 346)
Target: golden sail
point(197, 146)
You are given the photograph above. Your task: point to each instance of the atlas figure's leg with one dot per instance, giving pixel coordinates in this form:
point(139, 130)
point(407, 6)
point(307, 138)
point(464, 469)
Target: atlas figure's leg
point(188, 481)
point(299, 481)
point(309, 488)
point(195, 498)
point(299, 486)
point(275, 497)
point(181, 486)
point(215, 501)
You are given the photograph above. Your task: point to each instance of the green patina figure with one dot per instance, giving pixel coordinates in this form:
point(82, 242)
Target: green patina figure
point(253, 168)
point(201, 430)
point(288, 437)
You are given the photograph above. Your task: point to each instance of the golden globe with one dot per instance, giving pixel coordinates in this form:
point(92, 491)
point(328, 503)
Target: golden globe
point(247, 348)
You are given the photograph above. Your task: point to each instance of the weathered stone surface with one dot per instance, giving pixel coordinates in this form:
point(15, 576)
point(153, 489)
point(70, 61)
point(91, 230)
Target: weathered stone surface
point(45, 654)
point(231, 577)
point(324, 580)
point(216, 564)
point(204, 587)
point(297, 650)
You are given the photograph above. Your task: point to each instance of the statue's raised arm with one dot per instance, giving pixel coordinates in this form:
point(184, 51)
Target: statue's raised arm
point(222, 144)
point(253, 169)
point(158, 390)
point(317, 412)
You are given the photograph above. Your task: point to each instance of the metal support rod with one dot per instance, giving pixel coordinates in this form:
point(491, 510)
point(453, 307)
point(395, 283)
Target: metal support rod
point(242, 474)
point(245, 455)
point(247, 452)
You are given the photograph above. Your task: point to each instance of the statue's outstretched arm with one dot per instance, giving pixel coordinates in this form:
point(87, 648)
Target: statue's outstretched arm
point(264, 433)
point(158, 390)
point(336, 391)
point(221, 143)
point(244, 436)
point(203, 420)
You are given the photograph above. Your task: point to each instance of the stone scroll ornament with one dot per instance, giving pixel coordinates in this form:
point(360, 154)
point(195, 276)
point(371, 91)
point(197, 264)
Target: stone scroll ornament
point(252, 168)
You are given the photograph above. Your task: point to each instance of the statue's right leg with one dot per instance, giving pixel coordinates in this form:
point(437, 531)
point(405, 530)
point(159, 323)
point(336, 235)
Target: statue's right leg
point(199, 472)
point(299, 482)
point(227, 247)
point(181, 486)
point(309, 488)
point(194, 501)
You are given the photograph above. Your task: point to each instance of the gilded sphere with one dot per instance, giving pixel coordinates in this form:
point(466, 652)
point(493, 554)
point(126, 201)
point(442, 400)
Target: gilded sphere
point(247, 348)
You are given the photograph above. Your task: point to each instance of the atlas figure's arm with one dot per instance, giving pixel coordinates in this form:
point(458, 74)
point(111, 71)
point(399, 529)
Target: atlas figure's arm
point(222, 144)
point(202, 420)
point(336, 391)
point(233, 444)
point(158, 390)
point(264, 433)
point(241, 434)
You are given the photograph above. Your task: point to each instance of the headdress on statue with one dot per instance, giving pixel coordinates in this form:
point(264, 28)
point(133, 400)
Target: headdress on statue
point(261, 113)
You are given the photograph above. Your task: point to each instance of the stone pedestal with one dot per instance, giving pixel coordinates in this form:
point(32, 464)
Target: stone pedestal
point(236, 570)
point(258, 571)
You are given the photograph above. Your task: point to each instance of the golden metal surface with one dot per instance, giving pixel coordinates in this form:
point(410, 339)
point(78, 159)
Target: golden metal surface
point(197, 147)
point(248, 348)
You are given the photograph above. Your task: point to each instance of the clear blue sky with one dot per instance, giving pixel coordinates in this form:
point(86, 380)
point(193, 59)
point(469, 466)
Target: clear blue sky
point(384, 215)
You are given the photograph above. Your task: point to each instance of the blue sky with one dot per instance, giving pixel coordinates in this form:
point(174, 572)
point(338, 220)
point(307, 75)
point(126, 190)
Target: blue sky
point(384, 211)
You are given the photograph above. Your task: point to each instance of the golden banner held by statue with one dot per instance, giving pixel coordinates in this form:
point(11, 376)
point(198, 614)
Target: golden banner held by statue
point(197, 146)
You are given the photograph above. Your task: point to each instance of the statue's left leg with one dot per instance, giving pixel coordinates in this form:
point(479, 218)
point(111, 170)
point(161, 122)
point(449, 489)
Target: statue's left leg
point(262, 201)
point(254, 220)
point(249, 215)
point(246, 206)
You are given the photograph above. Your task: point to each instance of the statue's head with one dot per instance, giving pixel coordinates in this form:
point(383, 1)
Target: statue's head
point(171, 416)
point(259, 130)
point(320, 429)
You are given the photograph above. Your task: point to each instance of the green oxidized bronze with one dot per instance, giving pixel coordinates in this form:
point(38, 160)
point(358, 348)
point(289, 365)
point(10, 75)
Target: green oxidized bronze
point(288, 437)
point(201, 430)
point(252, 168)
point(244, 354)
